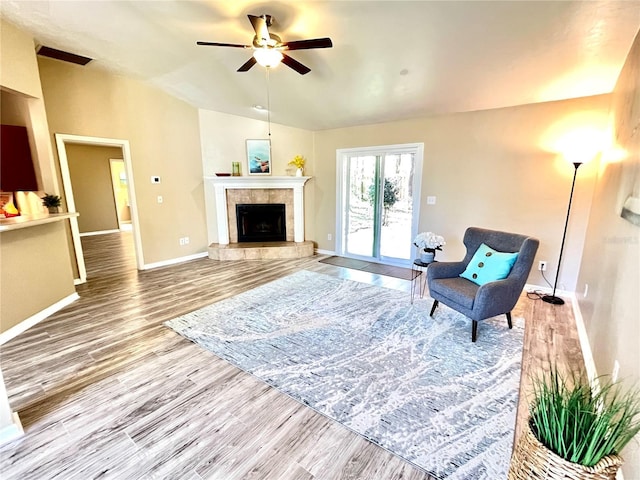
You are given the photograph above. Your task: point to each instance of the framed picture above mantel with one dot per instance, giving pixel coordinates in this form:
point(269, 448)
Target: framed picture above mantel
point(259, 157)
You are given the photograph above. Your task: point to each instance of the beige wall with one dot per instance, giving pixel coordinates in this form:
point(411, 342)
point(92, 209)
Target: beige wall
point(164, 137)
point(90, 172)
point(22, 92)
point(611, 261)
point(35, 269)
point(223, 142)
point(35, 272)
point(492, 168)
point(18, 67)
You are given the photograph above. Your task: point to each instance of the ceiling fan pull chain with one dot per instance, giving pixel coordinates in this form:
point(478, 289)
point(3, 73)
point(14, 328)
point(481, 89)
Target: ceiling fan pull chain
point(268, 104)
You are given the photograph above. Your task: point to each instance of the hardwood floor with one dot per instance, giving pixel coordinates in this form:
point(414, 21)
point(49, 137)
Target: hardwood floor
point(105, 391)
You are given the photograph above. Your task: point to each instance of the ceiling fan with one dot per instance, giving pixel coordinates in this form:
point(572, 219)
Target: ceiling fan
point(268, 48)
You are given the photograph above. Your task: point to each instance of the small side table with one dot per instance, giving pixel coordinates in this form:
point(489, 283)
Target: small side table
point(419, 277)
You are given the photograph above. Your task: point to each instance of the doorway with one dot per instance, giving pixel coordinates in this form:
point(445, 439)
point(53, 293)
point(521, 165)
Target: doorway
point(119, 184)
point(61, 141)
point(378, 202)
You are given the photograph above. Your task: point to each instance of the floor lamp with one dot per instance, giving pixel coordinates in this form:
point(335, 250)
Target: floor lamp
point(552, 298)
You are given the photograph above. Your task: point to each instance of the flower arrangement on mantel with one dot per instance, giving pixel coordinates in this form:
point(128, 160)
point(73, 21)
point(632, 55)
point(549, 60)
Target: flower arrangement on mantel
point(429, 242)
point(298, 161)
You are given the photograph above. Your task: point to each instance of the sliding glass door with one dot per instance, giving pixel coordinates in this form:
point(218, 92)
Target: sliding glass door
point(378, 199)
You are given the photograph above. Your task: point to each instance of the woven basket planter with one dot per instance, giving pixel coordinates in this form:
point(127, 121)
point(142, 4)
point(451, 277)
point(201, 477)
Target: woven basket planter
point(531, 460)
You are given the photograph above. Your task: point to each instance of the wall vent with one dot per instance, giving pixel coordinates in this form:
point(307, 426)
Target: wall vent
point(61, 55)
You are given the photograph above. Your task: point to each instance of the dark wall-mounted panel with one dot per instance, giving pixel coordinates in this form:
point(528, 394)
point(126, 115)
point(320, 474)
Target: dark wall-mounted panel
point(16, 166)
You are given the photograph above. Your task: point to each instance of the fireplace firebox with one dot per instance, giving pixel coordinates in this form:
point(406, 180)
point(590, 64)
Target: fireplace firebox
point(261, 222)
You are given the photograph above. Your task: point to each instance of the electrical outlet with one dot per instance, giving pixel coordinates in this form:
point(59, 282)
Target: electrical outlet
point(329, 236)
point(181, 241)
point(186, 240)
point(160, 199)
point(616, 371)
point(542, 265)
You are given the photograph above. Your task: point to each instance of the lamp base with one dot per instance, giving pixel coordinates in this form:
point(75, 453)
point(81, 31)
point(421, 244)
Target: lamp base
point(552, 299)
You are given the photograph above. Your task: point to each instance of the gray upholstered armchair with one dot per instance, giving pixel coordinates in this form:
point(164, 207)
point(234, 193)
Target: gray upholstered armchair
point(479, 302)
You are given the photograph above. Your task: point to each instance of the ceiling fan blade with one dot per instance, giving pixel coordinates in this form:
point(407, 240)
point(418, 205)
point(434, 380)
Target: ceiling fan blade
point(307, 44)
point(260, 26)
point(247, 65)
point(294, 64)
point(215, 44)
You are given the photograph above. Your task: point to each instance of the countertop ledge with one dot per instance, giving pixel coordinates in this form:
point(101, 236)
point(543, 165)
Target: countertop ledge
point(26, 221)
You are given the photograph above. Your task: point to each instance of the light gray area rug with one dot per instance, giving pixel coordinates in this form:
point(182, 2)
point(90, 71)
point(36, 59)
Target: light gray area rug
point(364, 356)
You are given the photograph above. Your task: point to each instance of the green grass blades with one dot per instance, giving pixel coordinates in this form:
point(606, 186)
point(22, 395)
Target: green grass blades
point(580, 423)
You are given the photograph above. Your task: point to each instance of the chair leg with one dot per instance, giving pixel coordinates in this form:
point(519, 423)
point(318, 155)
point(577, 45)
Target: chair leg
point(509, 319)
point(433, 308)
point(474, 331)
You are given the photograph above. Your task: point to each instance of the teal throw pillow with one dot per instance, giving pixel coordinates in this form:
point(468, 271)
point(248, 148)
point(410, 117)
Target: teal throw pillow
point(489, 265)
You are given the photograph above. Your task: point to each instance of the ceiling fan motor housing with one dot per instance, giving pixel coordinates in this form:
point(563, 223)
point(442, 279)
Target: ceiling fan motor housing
point(274, 42)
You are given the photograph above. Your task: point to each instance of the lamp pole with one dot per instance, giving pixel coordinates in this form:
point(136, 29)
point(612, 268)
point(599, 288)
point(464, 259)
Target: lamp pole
point(552, 298)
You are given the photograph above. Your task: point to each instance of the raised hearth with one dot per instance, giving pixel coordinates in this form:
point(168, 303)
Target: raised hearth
point(260, 251)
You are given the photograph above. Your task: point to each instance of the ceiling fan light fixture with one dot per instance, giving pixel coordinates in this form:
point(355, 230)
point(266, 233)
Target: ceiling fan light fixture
point(267, 57)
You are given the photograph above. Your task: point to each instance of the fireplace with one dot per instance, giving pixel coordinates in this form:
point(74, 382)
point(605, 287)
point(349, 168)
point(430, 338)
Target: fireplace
point(258, 189)
point(230, 191)
point(261, 222)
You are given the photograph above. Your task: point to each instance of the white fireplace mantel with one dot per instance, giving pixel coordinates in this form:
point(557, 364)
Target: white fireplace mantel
point(222, 184)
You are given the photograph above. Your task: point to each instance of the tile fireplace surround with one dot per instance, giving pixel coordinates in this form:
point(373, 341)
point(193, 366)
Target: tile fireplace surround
point(259, 189)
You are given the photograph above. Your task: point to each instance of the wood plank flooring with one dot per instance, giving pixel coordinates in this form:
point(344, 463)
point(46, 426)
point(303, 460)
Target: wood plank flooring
point(105, 391)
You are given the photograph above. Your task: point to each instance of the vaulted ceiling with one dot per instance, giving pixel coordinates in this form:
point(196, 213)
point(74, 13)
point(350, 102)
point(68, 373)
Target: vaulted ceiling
point(391, 60)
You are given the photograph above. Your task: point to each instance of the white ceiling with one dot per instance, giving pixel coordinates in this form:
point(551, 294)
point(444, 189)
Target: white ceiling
point(391, 59)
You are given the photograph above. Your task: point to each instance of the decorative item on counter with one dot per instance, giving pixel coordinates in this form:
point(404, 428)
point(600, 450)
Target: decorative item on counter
point(428, 243)
point(52, 202)
point(298, 162)
point(235, 169)
point(7, 208)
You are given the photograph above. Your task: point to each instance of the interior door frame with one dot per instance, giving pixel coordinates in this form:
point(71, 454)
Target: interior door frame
point(342, 153)
point(62, 139)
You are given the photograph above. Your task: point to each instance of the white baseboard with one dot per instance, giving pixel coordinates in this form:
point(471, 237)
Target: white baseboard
point(325, 252)
point(37, 318)
point(99, 232)
point(589, 363)
point(13, 431)
point(173, 261)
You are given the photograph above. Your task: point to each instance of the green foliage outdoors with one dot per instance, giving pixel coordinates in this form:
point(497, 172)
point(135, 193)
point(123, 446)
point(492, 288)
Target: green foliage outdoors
point(580, 423)
point(390, 197)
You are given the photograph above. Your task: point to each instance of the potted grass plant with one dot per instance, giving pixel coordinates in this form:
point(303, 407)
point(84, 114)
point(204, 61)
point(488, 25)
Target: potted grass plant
point(576, 429)
point(52, 202)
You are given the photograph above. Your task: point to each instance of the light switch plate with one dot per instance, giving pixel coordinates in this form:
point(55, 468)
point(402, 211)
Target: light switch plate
point(431, 200)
